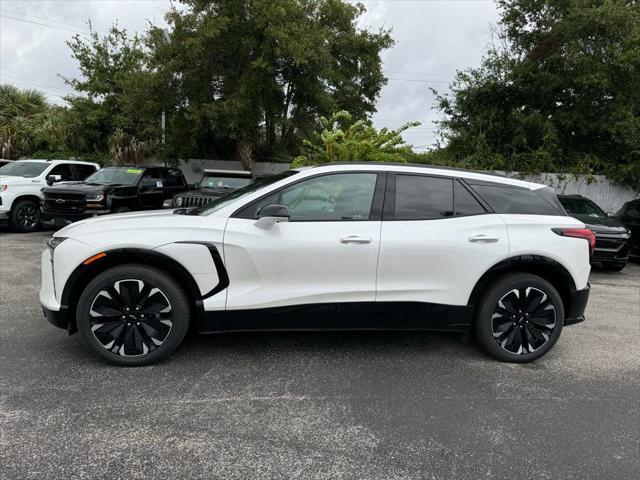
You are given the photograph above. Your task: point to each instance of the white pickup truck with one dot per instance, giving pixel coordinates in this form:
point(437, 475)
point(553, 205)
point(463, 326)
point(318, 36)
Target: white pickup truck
point(21, 182)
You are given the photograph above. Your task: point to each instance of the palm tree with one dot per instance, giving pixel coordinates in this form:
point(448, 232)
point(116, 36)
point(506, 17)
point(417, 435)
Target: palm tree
point(22, 116)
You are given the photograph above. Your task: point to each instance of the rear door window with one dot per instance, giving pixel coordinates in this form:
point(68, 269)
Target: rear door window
point(172, 178)
point(466, 204)
point(420, 197)
point(83, 171)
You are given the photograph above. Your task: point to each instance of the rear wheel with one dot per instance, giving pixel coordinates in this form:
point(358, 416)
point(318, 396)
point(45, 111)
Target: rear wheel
point(25, 216)
point(133, 315)
point(520, 318)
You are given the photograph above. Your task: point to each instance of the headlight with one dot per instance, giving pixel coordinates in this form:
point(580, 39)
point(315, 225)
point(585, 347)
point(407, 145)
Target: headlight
point(53, 242)
point(179, 201)
point(95, 198)
point(4, 188)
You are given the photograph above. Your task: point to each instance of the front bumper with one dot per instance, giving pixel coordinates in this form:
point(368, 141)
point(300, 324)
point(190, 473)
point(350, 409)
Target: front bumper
point(52, 309)
point(64, 219)
point(577, 304)
point(611, 248)
point(57, 318)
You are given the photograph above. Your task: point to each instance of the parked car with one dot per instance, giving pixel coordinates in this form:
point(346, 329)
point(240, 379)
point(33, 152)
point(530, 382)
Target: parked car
point(629, 216)
point(21, 182)
point(375, 246)
point(4, 161)
point(214, 184)
point(612, 237)
point(111, 190)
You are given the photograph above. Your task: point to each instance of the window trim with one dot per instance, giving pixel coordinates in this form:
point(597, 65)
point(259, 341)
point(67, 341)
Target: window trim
point(390, 198)
point(375, 215)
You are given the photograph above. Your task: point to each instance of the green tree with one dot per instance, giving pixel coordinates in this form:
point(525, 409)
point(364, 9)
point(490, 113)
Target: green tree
point(559, 90)
point(247, 78)
point(343, 139)
point(118, 107)
point(23, 114)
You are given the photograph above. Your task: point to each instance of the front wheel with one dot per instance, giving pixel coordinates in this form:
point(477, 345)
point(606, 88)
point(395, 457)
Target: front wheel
point(520, 318)
point(25, 216)
point(133, 315)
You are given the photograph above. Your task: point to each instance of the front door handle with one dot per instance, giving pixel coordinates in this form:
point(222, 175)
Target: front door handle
point(481, 238)
point(355, 239)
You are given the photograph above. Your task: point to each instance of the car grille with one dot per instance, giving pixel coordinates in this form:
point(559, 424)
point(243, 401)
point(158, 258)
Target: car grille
point(191, 201)
point(611, 247)
point(64, 203)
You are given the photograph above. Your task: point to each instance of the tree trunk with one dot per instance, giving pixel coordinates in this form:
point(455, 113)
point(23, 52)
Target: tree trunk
point(244, 153)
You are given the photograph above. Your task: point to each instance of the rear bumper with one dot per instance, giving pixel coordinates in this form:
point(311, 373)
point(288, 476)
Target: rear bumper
point(577, 304)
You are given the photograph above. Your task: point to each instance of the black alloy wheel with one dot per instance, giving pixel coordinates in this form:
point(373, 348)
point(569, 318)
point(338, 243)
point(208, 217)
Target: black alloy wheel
point(26, 217)
point(519, 317)
point(133, 315)
point(523, 320)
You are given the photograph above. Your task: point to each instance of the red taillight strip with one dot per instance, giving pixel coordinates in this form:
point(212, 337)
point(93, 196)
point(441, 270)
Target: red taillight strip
point(578, 233)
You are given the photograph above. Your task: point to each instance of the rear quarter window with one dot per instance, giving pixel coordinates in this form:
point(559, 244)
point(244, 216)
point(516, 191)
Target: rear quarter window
point(516, 200)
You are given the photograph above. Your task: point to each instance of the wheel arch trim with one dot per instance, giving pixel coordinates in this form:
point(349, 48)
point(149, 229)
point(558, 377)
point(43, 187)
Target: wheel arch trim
point(547, 268)
point(119, 256)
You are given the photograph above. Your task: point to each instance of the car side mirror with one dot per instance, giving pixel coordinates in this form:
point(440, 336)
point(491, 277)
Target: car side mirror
point(271, 214)
point(51, 179)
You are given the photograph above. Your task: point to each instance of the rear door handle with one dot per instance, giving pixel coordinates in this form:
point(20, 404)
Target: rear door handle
point(481, 238)
point(355, 239)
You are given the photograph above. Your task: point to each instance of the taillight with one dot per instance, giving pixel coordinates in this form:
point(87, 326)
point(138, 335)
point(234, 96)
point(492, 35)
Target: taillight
point(578, 233)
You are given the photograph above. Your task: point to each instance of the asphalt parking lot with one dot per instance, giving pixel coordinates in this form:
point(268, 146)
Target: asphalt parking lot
point(318, 405)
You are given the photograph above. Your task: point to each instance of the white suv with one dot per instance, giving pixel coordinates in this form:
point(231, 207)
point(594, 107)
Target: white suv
point(340, 246)
point(21, 182)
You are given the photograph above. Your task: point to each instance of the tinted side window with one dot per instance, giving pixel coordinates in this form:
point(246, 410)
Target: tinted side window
point(83, 171)
point(423, 198)
point(64, 170)
point(466, 204)
point(505, 199)
point(633, 211)
point(172, 178)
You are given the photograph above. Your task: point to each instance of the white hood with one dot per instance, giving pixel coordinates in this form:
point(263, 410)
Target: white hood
point(148, 229)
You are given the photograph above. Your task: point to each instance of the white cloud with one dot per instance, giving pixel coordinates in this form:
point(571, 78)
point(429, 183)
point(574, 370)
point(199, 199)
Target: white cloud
point(434, 38)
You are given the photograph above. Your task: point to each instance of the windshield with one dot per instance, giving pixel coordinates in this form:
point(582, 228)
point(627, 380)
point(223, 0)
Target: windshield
point(579, 206)
point(24, 169)
point(224, 182)
point(242, 192)
point(115, 176)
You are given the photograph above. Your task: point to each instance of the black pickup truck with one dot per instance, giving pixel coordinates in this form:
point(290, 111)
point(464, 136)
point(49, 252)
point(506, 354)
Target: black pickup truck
point(110, 190)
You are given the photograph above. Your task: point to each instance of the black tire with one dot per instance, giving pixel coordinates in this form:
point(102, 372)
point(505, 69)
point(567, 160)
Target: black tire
point(25, 216)
point(614, 267)
point(121, 210)
point(118, 332)
point(503, 320)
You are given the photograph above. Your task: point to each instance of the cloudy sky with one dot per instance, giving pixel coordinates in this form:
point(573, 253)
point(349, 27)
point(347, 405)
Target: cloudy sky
point(434, 38)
